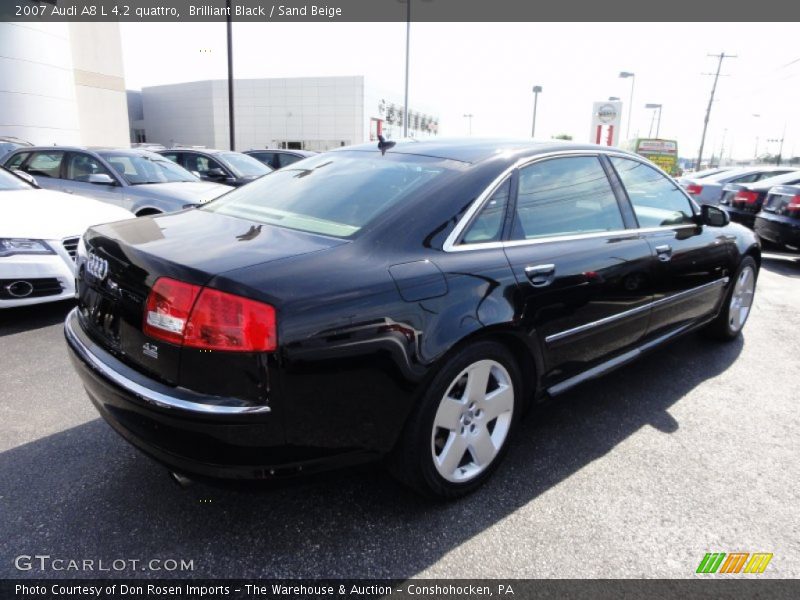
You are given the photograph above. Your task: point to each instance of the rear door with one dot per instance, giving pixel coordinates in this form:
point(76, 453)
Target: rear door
point(583, 276)
point(691, 263)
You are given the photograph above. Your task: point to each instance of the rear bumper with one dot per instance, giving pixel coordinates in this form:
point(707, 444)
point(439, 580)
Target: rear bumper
point(778, 230)
point(188, 432)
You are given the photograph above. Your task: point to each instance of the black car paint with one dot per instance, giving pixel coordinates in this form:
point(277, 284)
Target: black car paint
point(744, 213)
point(364, 323)
point(776, 225)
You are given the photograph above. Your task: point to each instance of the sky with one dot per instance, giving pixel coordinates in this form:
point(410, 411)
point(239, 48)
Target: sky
point(488, 70)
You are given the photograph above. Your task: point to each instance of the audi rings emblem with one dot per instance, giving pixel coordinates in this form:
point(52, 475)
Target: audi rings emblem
point(97, 267)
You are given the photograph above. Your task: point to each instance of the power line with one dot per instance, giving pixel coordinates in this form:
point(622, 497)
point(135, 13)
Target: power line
point(722, 56)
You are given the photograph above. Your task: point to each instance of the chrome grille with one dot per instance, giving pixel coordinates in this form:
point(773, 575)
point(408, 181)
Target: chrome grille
point(71, 246)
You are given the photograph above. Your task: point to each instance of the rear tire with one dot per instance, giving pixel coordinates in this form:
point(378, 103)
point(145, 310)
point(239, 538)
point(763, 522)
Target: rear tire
point(737, 304)
point(461, 427)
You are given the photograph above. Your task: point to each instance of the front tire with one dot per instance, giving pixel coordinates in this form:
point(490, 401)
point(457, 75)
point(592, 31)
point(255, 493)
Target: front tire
point(738, 303)
point(460, 430)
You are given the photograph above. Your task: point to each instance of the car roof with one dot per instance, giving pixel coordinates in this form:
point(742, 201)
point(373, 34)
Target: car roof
point(772, 181)
point(190, 149)
point(283, 151)
point(472, 150)
point(95, 149)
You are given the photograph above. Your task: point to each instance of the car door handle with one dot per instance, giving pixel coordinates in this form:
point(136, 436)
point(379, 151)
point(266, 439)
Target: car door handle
point(541, 275)
point(664, 252)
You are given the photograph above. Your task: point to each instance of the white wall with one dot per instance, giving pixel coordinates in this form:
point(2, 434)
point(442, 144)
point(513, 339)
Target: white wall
point(179, 114)
point(37, 91)
point(62, 83)
point(99, 84)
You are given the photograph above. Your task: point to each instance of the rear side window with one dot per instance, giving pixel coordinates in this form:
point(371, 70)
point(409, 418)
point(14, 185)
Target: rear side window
point(80, 166)
point(488, 225)
point(656, 201)
point(564, 196)
point(15, 161)
point(333, 194)
point(45, 164)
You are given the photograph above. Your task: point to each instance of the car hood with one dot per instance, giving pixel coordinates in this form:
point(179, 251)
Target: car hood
point(187, 191)
point(51, 215)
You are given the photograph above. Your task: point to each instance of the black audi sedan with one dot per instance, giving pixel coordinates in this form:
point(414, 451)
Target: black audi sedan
point(404, 301)
point(779, 220)
point(742, 202)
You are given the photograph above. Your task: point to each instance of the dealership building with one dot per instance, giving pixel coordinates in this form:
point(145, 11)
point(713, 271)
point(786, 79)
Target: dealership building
point(63, 83)
point(310, 113)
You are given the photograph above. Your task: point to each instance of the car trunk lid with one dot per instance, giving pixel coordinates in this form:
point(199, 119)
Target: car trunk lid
point(125, 259)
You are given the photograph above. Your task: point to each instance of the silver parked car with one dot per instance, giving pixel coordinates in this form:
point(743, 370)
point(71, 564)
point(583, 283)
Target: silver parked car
point(708, 190)
point(143, 182)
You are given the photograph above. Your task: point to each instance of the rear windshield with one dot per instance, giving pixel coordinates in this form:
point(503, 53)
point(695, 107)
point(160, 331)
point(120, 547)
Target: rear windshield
point(332, 194)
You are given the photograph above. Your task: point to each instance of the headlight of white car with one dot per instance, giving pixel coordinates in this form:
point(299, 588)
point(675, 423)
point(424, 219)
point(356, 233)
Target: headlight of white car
point(11, 246)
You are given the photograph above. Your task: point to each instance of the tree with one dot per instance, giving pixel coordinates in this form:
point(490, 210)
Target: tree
point(562, 136)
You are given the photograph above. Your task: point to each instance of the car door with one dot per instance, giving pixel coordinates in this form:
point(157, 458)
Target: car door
point(690, 262)
point(79, 167)
point(46, 167)
point(582, 273)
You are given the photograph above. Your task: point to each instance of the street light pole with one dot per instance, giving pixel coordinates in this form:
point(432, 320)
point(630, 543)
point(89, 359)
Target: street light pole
point(469, 116)
point(536, 90)
point(625, 75)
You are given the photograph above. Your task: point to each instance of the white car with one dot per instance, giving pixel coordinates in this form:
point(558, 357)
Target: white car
point(39, 235)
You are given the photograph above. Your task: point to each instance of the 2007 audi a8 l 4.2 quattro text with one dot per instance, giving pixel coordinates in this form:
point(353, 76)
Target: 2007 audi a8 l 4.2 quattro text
point(405, 301)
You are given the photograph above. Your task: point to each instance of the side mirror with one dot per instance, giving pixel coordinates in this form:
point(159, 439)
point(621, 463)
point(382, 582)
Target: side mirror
point(27, 177)
point(216, 173)
point(101, 179)
point(714, 216)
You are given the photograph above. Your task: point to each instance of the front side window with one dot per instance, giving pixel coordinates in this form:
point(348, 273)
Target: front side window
point(334, 194)
point(656, 201)
point(80, 166)
point(284, 160)
point(45, 164)
point(200, 164)
point(244, 165)
point(488, 225)
point(563, 196)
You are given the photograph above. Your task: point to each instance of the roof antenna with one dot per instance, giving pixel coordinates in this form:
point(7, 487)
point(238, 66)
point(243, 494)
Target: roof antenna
point(383, 145)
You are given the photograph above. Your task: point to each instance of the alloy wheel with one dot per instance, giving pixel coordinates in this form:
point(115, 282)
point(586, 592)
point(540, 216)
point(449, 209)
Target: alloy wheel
point(472, 421)
point(741, 298)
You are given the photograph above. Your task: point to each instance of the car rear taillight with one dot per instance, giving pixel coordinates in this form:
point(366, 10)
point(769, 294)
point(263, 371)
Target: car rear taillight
point(694, 189)
point(794, 205)
point(746, 197)
point(195, 317)
point(167, 309)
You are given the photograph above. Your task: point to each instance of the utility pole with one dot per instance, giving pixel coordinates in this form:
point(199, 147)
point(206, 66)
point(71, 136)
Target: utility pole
point(722, 56)
point(469, 116)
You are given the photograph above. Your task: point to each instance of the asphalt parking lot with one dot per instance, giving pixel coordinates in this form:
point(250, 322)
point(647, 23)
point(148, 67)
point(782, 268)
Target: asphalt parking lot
point(691, 450)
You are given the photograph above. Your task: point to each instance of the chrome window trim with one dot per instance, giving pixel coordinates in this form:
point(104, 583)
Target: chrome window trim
point(146, 394)
point(451, 244)
point(639, 309)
